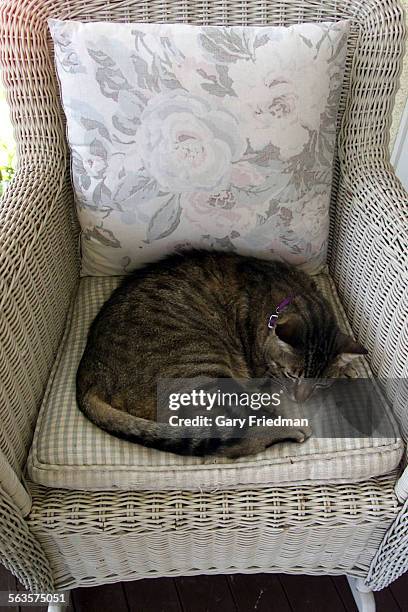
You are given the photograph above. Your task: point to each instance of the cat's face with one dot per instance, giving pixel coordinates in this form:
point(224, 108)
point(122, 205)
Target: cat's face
point(309, 358)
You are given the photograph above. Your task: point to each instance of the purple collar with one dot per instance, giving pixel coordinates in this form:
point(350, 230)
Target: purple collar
point(273, 318)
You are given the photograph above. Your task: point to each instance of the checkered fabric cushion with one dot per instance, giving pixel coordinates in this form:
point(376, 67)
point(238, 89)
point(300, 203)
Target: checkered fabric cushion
point(69, 452)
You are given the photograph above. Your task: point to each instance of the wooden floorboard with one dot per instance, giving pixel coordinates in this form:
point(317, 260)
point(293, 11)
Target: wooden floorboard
point(343, 589)
point(259, 592)
point(399, 590)
point(386, 602)
point(7, 583)
point(229, 593)
point(311, 593)
point(109, 597)
point(159, 595)
point(205, 594)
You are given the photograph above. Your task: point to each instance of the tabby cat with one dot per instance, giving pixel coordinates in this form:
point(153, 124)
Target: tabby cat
point(205, 314)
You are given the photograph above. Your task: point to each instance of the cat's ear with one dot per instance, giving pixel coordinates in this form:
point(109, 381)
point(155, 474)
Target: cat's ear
point(348, 349)
point(289, 329)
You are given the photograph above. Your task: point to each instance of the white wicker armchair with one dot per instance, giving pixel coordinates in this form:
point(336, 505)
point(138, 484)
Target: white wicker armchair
point(59, 539)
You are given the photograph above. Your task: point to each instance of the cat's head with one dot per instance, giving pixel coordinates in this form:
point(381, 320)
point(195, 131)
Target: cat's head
point(309, 350)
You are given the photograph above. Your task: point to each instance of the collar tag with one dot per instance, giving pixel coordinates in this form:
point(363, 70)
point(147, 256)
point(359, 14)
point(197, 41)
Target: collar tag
point(273, 318)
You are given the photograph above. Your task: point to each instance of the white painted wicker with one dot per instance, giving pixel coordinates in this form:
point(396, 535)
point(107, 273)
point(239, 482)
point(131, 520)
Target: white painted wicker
point(72, 538)
point(111, 536)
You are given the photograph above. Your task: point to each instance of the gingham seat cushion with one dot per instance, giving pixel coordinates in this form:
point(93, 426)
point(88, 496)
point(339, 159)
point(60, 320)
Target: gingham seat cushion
point(69, 452)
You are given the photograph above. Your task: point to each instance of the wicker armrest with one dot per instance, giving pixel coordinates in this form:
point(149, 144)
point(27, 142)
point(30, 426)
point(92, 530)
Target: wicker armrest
point(38, 254)
point(369, 265)
point(38, 272)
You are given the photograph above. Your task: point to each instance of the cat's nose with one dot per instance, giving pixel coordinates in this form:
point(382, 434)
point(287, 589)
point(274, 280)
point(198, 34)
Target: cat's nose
point(303, 390)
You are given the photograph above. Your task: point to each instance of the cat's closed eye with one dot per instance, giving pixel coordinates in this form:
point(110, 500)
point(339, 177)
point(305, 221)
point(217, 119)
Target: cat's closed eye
point(290, 375)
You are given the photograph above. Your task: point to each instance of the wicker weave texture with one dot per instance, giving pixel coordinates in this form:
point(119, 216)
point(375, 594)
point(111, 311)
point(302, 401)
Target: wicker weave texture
point(40, 236)
point(37, 279)
point(20, 551)
point(391, 559)
point(320, 529)
point(38, 273)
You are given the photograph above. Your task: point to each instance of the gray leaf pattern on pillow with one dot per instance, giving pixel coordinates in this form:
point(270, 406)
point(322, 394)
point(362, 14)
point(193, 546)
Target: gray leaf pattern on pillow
point(165, 220)
point(67, 58)
point(215, 137)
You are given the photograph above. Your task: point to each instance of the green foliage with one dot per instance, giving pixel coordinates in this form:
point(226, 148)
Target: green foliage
point(7, 165)
point(7, 145)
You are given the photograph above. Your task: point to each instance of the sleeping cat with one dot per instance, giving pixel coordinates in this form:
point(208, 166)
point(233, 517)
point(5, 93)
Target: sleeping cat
point(204, 314)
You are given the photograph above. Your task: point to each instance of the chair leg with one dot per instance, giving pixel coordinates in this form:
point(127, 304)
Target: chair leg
point(363, 596)
point(60, 607)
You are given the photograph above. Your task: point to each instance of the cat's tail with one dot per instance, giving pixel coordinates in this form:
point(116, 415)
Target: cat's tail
point(162, 436)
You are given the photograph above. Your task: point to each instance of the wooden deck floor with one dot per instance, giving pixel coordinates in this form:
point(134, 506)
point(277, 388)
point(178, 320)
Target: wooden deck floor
point(229, 593)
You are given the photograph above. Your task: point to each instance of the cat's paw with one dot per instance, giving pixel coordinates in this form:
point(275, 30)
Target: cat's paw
point(301, 434)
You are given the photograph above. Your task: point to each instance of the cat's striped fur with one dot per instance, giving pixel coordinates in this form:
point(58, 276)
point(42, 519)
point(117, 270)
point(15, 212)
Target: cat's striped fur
point(203, 314)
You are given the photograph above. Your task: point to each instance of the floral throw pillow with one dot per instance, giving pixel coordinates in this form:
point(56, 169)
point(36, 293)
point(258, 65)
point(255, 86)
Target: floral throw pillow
point(200, 136)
